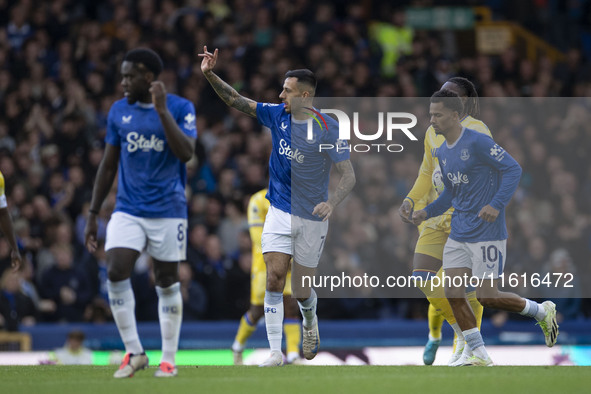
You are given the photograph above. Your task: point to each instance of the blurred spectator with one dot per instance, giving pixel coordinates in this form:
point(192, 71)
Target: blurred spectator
point(66, 285)
point(16, 307)
point(231, 227)
point(74, 352)
point(195, 298)
point(394, 38)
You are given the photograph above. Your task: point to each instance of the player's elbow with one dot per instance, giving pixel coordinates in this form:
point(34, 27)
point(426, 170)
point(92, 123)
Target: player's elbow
point(186, 153)
point(185, 157)
point(352, 179)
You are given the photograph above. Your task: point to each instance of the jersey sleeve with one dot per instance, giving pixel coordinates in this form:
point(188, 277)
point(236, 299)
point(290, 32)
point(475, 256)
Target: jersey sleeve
point(266, 113)
point(495, 156)
point(443, 202)
point(185, 118)
point(423, 183)
point(258, 206)
point(254, 215)
point(256, 237)
point(112, 137)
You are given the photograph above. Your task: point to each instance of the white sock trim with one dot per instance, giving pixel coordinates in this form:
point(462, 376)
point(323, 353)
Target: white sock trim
point(432, 338)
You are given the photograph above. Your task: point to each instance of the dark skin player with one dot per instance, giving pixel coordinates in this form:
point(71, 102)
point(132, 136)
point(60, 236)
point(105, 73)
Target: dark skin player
point(139, 85)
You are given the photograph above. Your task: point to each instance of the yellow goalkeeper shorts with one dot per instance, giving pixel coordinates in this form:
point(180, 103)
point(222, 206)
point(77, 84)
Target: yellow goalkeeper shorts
point(431, 242)
point(258, 284)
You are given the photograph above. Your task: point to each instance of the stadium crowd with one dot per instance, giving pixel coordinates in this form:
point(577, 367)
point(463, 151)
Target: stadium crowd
point(59, 65)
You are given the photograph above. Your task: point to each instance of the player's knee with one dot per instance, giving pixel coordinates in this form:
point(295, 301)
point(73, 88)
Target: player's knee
point(275, 282)
point(116, 273)
point(454, 293)
point(488, 298)
point(166, 274)
point(166, 280)
point(275, 285)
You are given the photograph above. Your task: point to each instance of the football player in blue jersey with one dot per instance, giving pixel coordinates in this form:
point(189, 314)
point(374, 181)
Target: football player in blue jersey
point(480, 178)
point(297, 222)
point(150, 137)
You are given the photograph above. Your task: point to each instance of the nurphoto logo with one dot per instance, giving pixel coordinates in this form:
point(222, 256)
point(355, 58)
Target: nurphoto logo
point(388, 124)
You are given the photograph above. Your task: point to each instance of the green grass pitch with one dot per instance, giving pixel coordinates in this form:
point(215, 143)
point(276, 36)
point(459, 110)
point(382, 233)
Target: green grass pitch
point(299, 379)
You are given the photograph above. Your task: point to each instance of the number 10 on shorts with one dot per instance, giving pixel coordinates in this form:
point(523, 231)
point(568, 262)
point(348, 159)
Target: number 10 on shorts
point(492, 254)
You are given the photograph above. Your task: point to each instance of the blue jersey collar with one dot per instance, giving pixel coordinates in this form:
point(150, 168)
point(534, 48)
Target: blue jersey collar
point(145, 105)
point(458, 140)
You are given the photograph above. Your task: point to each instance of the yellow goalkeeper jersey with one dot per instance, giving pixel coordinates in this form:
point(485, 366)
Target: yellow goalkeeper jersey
point(3, 203)
point(428, 185)
point(258, 205)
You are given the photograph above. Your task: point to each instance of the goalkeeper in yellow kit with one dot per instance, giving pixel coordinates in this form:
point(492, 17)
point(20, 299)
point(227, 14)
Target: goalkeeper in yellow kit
point(258, 206)
point(434, 232)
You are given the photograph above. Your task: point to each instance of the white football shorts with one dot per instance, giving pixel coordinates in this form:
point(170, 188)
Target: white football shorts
point(486, 259)
point(164, 239)
point(298, 237)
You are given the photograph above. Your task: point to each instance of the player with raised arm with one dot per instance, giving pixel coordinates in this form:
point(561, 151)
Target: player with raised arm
point(258, 206)
point(480, 178)
point(299, 232)
point(150, 137)
point(434, 232)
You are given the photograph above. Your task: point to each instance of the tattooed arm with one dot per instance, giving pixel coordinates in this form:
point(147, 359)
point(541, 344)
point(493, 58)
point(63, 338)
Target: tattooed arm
point(227, 93)
point(345, 168)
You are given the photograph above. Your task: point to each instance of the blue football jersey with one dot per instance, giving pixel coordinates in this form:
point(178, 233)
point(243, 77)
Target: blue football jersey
point(476, 172)
point(299, 171)
point(151, 178)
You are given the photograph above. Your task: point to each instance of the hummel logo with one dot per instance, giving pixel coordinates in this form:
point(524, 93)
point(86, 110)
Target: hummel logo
point(126, 119)
point(283, 126)
point(495, 150)
point(444, 161)
point(342, 144)
point(190, 122)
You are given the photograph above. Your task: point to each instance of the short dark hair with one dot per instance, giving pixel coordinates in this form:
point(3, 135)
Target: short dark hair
point(449, 99)
point(304, 76)
point(76, 335)
point(472, 106)
point(150, 59)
